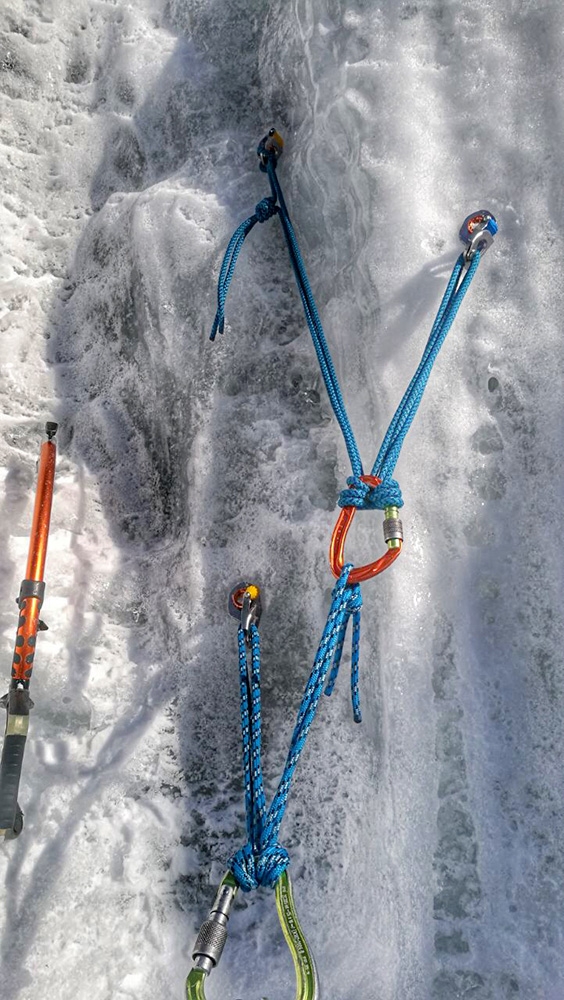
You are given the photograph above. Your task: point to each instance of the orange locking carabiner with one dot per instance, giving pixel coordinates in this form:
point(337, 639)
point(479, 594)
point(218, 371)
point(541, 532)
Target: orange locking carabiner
point(338, 538)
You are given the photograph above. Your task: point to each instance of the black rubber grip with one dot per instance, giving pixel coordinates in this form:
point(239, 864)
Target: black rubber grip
point(10, 774)
point(32, 588)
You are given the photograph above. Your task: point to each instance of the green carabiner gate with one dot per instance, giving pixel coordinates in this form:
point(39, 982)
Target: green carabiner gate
point(213, 934)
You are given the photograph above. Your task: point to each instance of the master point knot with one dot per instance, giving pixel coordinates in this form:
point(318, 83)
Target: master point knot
point(266, 209)
point(366, 497)
point(253, 868)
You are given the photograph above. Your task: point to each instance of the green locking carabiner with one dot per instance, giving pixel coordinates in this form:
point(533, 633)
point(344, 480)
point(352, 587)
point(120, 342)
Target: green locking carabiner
point(213, 934)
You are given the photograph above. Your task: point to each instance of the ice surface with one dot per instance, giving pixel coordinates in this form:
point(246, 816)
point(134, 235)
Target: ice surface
point(427, 849)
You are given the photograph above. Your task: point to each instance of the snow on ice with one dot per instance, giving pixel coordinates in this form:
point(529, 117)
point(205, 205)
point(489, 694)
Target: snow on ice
point(426, 844)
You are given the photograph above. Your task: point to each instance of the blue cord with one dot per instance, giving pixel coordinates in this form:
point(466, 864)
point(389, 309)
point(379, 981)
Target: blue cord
point(263, 859)
point(358, 494)
point(263, 211)
point(403, 417)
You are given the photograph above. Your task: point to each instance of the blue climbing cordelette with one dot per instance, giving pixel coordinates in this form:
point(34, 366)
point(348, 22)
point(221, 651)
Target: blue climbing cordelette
point(262, 860)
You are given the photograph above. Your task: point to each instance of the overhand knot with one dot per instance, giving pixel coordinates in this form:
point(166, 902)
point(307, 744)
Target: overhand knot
point(363, 496)
point(252, 868)
point(266, 209)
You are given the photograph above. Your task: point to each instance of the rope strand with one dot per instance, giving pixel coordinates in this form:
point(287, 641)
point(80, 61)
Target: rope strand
point(262, 859)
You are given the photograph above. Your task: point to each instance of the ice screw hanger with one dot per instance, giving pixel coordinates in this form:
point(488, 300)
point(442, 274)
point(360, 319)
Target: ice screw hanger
point(477, 232)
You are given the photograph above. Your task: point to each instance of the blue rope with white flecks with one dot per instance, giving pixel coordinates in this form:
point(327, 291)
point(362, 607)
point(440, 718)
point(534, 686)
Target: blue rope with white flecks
point(359, 494)
point(262, 860)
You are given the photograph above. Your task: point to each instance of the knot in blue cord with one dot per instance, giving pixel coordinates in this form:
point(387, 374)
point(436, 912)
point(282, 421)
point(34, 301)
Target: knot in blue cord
point(366, 497)
point(266, 209)
point(253, 868)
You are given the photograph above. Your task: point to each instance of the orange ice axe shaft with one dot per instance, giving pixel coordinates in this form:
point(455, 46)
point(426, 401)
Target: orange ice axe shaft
point(32, 590)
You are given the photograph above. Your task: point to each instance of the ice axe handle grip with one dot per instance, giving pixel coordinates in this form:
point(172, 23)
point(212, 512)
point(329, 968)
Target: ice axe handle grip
point(10, 773)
